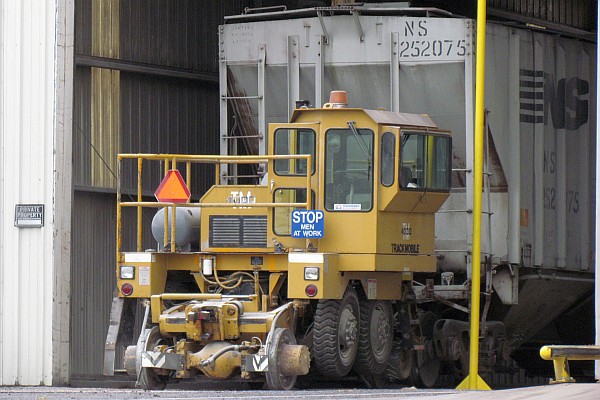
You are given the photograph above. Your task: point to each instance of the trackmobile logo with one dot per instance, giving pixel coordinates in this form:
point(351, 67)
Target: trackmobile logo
point(542, 98)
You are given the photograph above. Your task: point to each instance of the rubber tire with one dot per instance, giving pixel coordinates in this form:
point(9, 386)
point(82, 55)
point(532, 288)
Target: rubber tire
point(330, 359)
point(373, 353)
point(275, 380)
point(148, 379)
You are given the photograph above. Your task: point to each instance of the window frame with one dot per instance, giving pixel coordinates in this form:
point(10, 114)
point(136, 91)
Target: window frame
point(371, 176)
point(393, 159)
point(425, 135)
point(314, 155)
point(312, 207)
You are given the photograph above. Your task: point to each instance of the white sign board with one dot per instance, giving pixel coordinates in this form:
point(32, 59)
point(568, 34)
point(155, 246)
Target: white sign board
point(29, 215)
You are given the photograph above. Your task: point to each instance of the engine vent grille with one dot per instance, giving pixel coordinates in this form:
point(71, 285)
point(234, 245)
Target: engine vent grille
point(238, 231)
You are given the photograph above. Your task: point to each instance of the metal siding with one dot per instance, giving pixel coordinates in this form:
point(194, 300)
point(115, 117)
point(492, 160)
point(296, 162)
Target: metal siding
point(105, 94)
point(174, 33)
point(556, 192)
point(104, 132)
point(83, 27)
point(168, 116)
point(82, 149)
point(574, 13)
point(96, 125)
point(93, 278)
point(27, 46)
point(93, 274)
point(153, 114)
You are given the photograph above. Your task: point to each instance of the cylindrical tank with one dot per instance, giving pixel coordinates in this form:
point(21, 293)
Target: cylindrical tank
point(187, 229)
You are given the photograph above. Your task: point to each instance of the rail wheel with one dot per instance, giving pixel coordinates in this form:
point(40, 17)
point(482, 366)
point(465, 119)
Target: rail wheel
point(148, 378)
point(426, 368)
point(335, 335)
point(400, 363)
point(276, 379)
point(375, 337)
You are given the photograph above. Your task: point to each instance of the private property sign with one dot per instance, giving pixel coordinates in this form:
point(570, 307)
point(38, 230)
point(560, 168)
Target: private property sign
point(29, 215)
point(307, 224)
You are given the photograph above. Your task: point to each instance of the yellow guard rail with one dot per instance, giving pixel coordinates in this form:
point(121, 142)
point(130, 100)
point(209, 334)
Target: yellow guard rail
point(560, 356)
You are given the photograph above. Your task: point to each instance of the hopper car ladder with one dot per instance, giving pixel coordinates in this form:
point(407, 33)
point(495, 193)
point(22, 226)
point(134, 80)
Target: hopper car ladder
point(229, 141)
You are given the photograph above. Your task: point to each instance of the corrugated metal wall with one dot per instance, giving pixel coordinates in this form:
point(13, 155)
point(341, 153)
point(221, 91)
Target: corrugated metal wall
point(162, 97)
point(106, 94)
point(168, 116)
point(180, 34)
point(34, 86)
point(574, 13)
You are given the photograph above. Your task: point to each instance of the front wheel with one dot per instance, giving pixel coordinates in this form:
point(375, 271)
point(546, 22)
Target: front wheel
point(275, 376)
point(335, 335)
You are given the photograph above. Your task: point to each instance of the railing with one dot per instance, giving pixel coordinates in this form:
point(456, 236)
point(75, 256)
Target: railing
point(560, 356)
point(170, 163)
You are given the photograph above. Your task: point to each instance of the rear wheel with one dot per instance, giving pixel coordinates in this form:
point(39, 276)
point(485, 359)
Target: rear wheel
point(375, 337)
point(335, 340)
point(149, 378)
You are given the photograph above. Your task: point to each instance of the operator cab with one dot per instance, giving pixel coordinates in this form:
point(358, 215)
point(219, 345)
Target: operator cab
point(370, 169)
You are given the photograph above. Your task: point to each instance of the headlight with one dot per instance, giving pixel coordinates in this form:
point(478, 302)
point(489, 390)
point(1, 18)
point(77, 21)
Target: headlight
point(311, 273)
point(127, 272)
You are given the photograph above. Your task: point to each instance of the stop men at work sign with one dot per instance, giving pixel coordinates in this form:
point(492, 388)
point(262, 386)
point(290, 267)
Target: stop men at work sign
point(308, 224)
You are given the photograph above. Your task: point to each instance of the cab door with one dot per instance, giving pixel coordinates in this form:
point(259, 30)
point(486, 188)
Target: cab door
point(287, 177)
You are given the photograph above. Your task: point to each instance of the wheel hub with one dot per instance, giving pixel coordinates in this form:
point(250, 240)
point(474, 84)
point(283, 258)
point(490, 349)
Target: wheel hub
point(382, 330)
point(348, 329)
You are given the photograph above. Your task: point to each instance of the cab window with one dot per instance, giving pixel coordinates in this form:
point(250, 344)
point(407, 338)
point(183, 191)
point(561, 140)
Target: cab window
point(291, 142)
point(282, 221)
point(349, 169)
point(425, 162)
point(388, 153)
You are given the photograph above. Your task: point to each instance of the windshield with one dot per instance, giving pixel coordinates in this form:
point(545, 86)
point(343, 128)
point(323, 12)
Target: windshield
point(349, 169)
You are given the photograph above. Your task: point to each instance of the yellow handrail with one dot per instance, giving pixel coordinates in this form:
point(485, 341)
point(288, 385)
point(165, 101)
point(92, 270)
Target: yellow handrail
point(170, 162)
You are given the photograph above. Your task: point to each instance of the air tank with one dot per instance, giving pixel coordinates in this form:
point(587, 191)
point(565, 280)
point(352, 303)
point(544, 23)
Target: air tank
point(187, 227)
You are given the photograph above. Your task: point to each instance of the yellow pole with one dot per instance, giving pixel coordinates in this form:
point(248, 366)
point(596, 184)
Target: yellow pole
point(473, 381)
point(139, 209)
